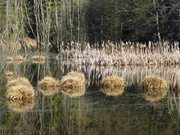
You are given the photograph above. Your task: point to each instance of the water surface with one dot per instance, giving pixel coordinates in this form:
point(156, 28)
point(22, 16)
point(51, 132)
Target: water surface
point(93, 113)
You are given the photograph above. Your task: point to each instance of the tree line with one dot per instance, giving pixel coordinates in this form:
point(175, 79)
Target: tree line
point(100, 20)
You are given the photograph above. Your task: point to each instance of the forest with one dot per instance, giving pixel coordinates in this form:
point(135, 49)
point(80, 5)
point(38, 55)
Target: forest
point(92, 20)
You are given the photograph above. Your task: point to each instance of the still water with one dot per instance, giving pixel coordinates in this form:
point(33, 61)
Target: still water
point(94, 113)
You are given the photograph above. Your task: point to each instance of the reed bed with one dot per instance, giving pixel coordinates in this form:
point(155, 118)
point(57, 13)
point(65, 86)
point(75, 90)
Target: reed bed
point(121, 53)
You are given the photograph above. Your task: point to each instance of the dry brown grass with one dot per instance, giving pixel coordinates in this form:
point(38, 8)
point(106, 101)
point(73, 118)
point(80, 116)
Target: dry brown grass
point(112, 85)
point(49, 86)
point(73, 84)
point(19, 89)
point(155, 88)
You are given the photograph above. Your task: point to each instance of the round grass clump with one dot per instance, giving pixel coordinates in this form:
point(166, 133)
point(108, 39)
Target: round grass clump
point(48, 86)
point(155, 88)
point(112, 85)
point(73, 84)
point(19, 89)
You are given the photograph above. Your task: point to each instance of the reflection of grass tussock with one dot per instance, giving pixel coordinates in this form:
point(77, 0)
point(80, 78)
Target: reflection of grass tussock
point(9, 75)
point(21, 106)
point(49, 86)
point(29, 42)
point(73, 84)
point(112, 85)
point(19, 59)
point(9, 60)
point(155, 88)
point(38, 59)
point(19, 89)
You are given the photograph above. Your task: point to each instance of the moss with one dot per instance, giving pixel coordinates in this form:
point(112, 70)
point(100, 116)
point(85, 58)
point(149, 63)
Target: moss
point(112, 85)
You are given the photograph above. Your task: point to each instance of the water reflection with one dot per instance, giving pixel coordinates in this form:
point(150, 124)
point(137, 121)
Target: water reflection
point(21, 105)
point(93, 113)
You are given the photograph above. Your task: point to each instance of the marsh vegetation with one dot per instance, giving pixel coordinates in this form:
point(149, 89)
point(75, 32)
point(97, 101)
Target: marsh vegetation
point(76, 67)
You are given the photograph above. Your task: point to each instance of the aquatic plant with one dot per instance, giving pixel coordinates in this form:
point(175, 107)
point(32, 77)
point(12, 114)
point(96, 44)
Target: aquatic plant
point(155, 88)
point(19, 89)
point(112, 85)
point(73, 84)
point(121, 53)
point(48, 86)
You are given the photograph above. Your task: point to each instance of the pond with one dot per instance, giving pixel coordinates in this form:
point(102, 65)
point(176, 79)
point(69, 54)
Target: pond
point(94, 113)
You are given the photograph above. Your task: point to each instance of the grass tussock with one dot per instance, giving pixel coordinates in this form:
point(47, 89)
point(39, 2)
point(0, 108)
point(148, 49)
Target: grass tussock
point(112, 85)
point(155, 88)
point(19, 89)
point(73, 84)
point(48, 86)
